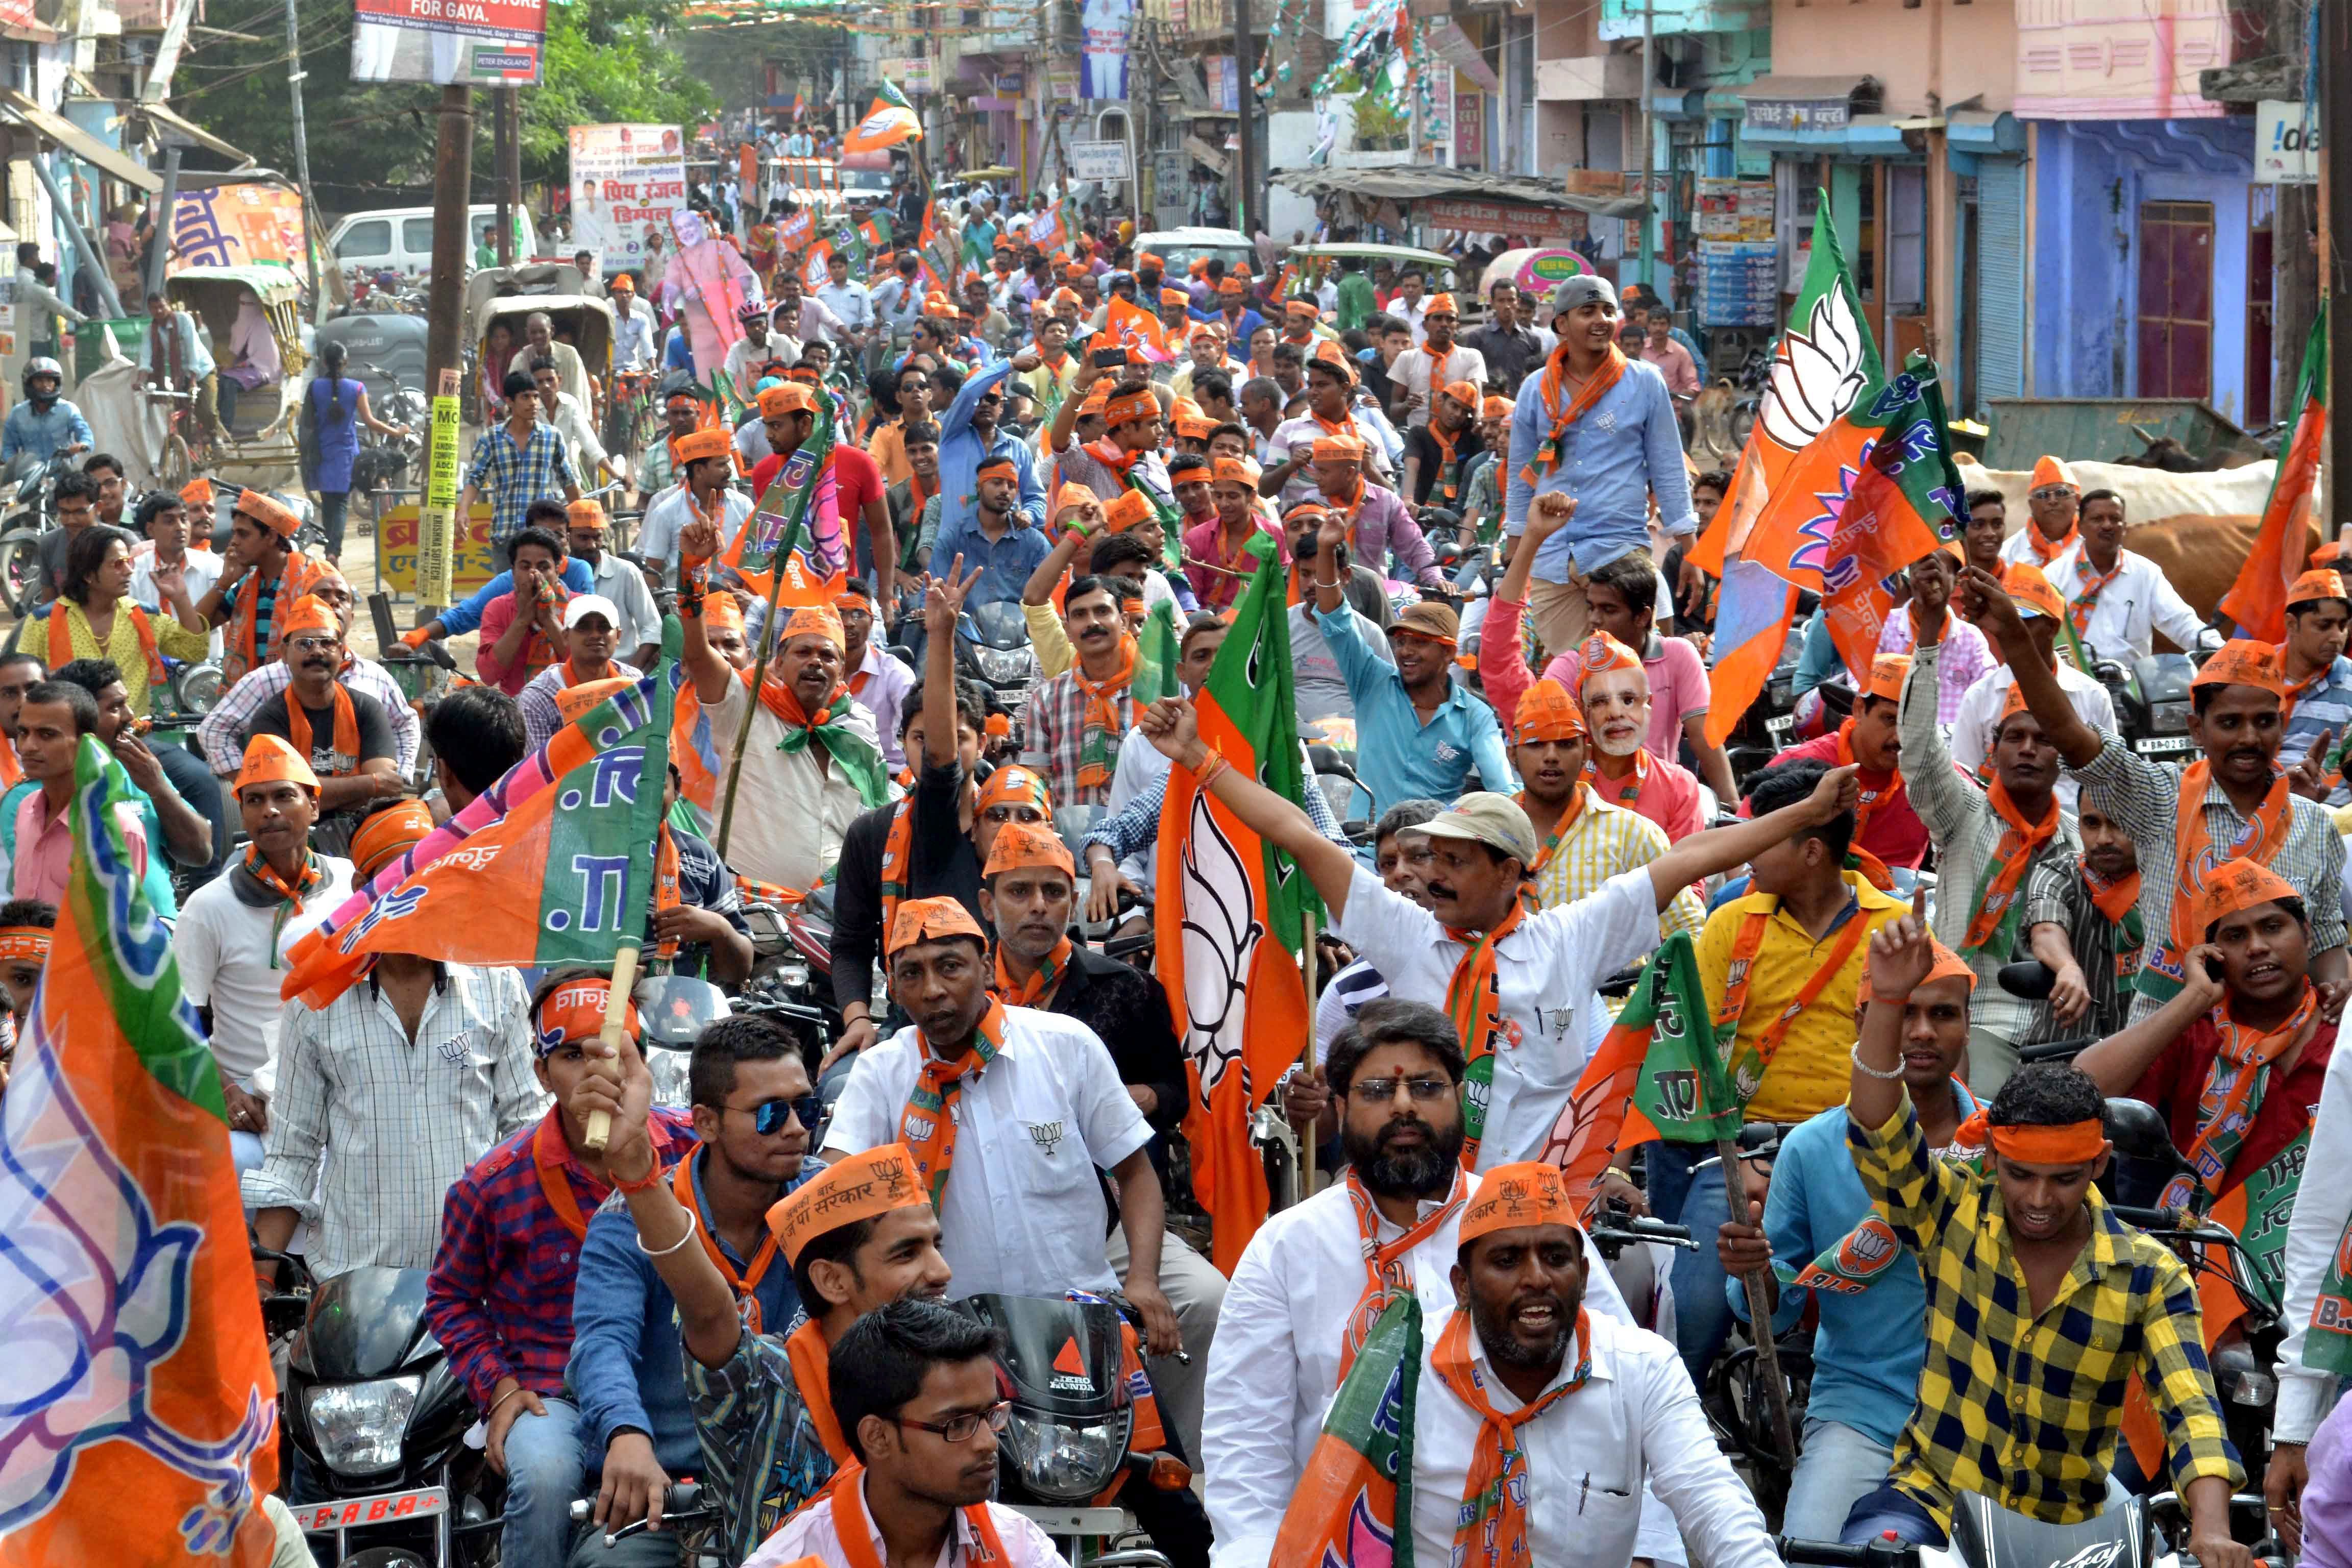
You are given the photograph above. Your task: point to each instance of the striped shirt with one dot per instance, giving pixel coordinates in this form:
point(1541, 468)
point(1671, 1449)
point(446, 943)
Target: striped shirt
point(2056, 895)
point(2145, 801)
point(1606, 841)
point(499, 1298)
point(540, 717)
point(1967, 831)
point(2322, 704)
point(392, 1123)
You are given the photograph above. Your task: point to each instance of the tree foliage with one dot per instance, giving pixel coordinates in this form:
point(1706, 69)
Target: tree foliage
point(607, 61)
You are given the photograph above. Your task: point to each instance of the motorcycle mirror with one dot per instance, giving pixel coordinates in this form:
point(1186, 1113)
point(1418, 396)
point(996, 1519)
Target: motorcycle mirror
point(2139, 1131)
point(675, 1008)
point(2030, 979)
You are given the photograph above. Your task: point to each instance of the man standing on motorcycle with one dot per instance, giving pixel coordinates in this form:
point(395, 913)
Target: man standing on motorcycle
point(1816, 1239)
point(2040, 1302)
point(919, 1409)
point(1311, 1278)
point(753, 1114)
point(500, 1296)
point(2233, 800)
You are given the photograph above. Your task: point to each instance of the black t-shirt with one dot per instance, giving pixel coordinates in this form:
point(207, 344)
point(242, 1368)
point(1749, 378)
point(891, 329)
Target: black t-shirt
point(375, 730)
point(1420, 444)
point(946, 865)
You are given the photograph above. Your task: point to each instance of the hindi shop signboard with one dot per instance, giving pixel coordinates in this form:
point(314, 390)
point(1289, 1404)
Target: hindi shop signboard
point(237, 225)
point(626, 181)
point(473, 563)
point(1535, 222)
point(462, 43)
point(1098, 159)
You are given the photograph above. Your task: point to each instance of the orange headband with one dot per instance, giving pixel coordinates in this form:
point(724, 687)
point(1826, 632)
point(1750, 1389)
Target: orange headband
point(387, 833)
point(25, 941)
point(862, 1186)
point(1134, 407)
point(1131, 508)
point(575, 1011)
point(1948, 965)
point(2075, 1143)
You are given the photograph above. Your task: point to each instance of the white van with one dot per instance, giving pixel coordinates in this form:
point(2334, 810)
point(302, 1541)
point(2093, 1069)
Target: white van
point(400, 239)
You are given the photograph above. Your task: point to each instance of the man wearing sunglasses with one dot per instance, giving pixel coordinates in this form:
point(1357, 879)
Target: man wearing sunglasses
point(754, 1115)
point(2053, 504)
point(921, 1411)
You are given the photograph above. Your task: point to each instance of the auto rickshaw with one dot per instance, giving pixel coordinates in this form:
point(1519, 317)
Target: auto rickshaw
point(501, 301)
point(252, 316)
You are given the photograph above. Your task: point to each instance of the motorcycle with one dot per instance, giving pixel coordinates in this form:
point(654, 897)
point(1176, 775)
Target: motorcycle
point(992, 647)
point(29, 511)
point(2152, 702)
point(377, 1421)
point(1068, 1439)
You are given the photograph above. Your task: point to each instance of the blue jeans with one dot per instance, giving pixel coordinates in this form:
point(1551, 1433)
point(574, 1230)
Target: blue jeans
point(544, 1473)
point(1838, 1467)
point(1679, 1193)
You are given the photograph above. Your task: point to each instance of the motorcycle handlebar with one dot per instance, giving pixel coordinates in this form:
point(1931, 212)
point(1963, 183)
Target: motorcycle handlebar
point(678, 1497)
point(1883, 1552)
point(1624, 1230)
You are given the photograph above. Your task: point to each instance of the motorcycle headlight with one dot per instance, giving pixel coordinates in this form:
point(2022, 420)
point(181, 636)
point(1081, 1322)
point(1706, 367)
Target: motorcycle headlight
point(1064, 1461)
point(1003, 663)
point(2170, 718)
point(359, 1426)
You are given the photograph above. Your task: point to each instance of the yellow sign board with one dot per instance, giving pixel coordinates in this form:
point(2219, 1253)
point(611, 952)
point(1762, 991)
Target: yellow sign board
point(396, 553)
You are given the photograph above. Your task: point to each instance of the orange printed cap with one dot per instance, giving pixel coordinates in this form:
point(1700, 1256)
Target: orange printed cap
point(1888, 673)
point(2237, 885)
point(1014, 783)
point(271, 759)
point(932, 919)
point(861, 1186)
point(2032, 590)
point(1513, 1197)
point(2320, 583)
point(388, 833)
point(573, 1014)
point(1018, 844)
point(700, 446)
point(2243, 662)
point(1546, 713)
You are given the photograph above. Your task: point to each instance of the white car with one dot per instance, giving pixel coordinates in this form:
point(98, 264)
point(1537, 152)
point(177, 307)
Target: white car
point(1178, 247)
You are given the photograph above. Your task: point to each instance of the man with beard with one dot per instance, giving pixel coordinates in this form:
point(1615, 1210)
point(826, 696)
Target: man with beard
point(1521, 983)
point(920, 1409)
point(2082, 919)
point(1991, 837)
point(2234, 799)
point(1508, 1422)
point(1307, 1286)
point(1817, 1240)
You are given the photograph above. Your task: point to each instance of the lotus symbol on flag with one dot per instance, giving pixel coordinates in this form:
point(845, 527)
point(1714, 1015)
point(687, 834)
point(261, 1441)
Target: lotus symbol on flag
point(1221, 932)
point(95, 1295)
point(1817, 374)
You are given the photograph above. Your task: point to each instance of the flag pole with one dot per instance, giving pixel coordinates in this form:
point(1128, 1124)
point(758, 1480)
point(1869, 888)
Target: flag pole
point(616, 1019)
point(1759, 1308)
point(1306, 1054)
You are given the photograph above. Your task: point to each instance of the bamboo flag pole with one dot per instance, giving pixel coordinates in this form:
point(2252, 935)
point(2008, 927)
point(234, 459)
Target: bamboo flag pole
point(1306, 1054)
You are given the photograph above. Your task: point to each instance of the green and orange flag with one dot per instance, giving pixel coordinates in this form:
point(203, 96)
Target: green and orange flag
point(1158, 651)
point(793, 548)
point(552, 865)
point(1234, 912)
point(2257, 600)
point(1353, 1506)
point(138, 1415)
point(1660, 1071)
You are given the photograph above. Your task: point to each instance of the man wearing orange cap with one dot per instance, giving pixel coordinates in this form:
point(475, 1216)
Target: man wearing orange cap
point(2232, 801)
point(2024, 1221)
point(1983, 703)
point(500, 1295)
point(1887, 825)
point(1333, 408)
point(789, 413)
point(706, 491)
point(1508, 1416)
point(2053, 502)
point(261, 575)
point(2119, 599)
point(1991, 837)
point(1434, 363)
point(342, 735)
point(2317, 675)
point(1438, 451)
point(516, 462)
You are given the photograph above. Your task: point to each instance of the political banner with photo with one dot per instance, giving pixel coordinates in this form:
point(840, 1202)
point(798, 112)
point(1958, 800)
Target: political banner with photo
point(1103, 64)
point(628, 181)
point(459, 43)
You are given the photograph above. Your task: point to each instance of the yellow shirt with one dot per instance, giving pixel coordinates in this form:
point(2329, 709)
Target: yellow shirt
point(1048, 640)
point(121, 643)
point(1812, 1071)
point(1606, 841)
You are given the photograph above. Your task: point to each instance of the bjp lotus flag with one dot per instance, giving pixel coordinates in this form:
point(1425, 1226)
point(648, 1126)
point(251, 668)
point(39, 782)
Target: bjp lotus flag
point(1049, 234)
point(891, 120)
point(1353, 1506)
point(1137, 328)
point(2257, 600)
point(551, 865)
point(138, 1414)
point(792, 548)
point(1234, 912)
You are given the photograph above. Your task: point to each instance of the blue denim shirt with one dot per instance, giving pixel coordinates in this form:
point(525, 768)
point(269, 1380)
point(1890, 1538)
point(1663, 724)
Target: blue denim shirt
point(464, 616)
point(1620, 451)
point(627, 1366)
point(1398, 757)
point(1006, 564)
point(1818, 658)
point(27, 430)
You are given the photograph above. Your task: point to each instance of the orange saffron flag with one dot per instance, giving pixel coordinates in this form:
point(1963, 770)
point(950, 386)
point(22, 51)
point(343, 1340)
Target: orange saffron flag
point(2257, 600)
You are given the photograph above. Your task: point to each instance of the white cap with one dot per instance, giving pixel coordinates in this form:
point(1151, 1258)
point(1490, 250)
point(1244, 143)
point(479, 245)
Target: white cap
point(582, 605)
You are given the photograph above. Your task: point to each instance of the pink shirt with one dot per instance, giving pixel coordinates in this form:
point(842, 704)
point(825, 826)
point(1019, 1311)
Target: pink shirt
point(510, 678)
point(45, 848)
point(1215, 590)
point(1669, 796)
point(1678, 689)
point(1673, 362)
point(1966, 656)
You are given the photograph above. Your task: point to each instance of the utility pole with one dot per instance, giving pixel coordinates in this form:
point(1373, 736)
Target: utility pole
point(1244, 164)
point(502, 218)
point(294, 75)
point(443, 329)
point(1649, 75)
point(2335, 245)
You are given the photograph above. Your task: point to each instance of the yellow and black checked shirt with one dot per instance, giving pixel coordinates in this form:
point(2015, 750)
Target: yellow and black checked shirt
point(2027, 1409)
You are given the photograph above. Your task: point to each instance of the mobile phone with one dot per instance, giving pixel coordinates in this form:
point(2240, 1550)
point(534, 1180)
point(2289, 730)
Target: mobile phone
point(1106, 359)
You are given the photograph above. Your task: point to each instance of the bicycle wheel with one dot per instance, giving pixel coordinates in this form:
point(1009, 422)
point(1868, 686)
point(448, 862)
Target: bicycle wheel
point(20, 568)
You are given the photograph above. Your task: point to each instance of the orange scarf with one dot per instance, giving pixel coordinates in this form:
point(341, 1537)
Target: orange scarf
point(12, 766)
point(1997, 904)
point(811, 1362)
point(746, 1284)
point(1033, 992)
point(897, 857)
point(2090, 582)
point(1568, 818)
point(1385, 1276)
point(1100, 726)
point(667, 894)
point(1628, 790)
point(1447, 479)
point(1749, 1063)
point(855, 1532)
point(2231, 1097)
point(1552, 389)
point(1872, 797)
point(298, 574)
point(548, 1152)
point(928, 1126)
point(1471, 1000)
point(347, 725)
point(2119, 902)
point(2195, 857)
point(1493, 1528)
point(62, 651)
point(2042, 548)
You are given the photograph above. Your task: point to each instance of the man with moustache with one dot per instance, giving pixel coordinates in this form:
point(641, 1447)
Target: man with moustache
point(1315, 1276)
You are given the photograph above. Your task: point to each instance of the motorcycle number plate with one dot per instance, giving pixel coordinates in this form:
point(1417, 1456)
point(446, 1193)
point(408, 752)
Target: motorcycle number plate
point(351, 1513)
point(1778, 726)
point(2163, 745)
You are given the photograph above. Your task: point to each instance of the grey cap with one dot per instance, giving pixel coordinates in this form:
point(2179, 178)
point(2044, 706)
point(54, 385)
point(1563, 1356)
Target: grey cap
point(1580, 290)
point(1495, 820)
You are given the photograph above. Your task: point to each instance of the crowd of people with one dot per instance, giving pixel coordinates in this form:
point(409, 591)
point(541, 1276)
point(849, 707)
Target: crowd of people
point(1480, 544)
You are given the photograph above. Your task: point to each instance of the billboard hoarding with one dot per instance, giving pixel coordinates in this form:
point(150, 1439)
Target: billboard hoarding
point(626, 181)
point(473, 43)
point(232, 226)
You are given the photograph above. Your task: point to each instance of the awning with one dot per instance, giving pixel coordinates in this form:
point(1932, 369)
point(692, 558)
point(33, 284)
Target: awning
point(1437, 183)
point(168, 120)
point(57, 127)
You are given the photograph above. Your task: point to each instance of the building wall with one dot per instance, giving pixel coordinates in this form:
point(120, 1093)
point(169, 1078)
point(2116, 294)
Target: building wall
point(1954, 52)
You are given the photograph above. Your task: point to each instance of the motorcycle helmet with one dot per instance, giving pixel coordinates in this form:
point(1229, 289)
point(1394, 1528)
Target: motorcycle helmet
point(37, 368)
